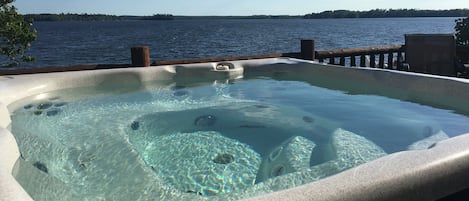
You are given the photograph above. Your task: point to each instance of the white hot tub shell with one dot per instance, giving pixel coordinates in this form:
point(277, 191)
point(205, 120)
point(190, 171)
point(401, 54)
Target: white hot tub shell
point(427, 174)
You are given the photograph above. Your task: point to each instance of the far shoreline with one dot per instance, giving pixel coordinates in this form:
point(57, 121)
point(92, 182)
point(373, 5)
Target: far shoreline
point(336, 14)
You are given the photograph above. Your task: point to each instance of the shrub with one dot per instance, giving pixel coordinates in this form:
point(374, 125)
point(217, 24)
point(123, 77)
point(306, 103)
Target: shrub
point(462, 31)
point(16, 35)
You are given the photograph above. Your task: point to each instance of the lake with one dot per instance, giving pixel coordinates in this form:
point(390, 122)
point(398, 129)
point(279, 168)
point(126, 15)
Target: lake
point(105, 42)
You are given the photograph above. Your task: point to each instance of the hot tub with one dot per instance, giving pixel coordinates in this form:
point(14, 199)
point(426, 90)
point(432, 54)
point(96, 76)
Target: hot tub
point(266, 129)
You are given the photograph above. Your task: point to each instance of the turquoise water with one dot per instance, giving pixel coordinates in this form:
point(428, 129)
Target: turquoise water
point(218, 140)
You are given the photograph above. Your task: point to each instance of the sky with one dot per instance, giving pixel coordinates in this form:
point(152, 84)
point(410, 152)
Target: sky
point(223, 7)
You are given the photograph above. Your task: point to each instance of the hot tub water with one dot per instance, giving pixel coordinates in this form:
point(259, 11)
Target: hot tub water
point(227, 141)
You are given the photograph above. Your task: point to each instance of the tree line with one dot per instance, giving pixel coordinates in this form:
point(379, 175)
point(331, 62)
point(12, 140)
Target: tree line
point(376, 13)
point(102, 17)
point(93, 17)
point(388, 13)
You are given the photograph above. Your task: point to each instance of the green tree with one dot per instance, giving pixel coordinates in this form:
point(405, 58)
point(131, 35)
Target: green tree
point(462, 31)
point(16, 35)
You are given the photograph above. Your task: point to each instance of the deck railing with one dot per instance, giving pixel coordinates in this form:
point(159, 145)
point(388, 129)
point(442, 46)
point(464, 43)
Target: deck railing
point(387, 57)
point(390, 57)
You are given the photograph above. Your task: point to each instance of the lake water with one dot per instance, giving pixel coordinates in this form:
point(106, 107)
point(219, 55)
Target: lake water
point(104, 42)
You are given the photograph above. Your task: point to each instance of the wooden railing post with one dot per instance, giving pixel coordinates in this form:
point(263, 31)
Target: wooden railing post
point(390, 60)
point(353, 61)
point(381, 60)
point(307, 50)
point(332, 60)
point(140, 56)
point(372, 60)
point(399, 60)
point(362, 60)
point(342, 61)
